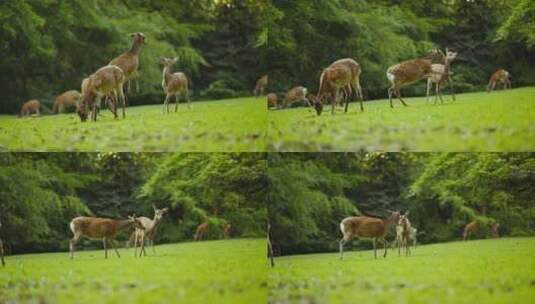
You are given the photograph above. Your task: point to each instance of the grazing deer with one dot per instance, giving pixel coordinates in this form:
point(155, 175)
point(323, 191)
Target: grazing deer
point(474, 226)
point(365, 227)
point(405, 227)
point(129, 60)
point(261, 85)
point(269, 245)
point(440, 74)
point(333, 80)
point(111, 102)
point(294, 95)
point(411, 71)
point(148, 230)
point(499, 76)
point(107, 80)
point(204, 229)
point(272, 100)
point(29, 107)
point(65, 101)
point(2, 250)
point(174, 84)
point(99, 229)
point(354, 85)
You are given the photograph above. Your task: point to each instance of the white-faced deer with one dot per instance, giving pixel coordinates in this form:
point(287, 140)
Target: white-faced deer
point(440, 75)
point(405, 227)
point(129, 60)
point(333, 80)
point(174, 84)
point(474, 226)
point(364, 227)
point(2, 249)
point(500, 76)
point(148, 230)
point(99, 229)
point(29, 107)
point(261, 85)
point(411, 71)
point(272, 100)
point(66, 101)
point(294, 95)
point(107, 80)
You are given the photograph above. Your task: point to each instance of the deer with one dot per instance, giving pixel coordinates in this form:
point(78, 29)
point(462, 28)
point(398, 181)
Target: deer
point(148, 230)
point(129, 60)
point(65, 101)
point(29, 107)
point(2, 250)
point(440, 74)
point(333, 80)
point(272, 100)
point(111, 102)
point(405, 230)
point(261, 85)
point(99, 229)
point(474, 226)
point(294, 95)
point(203, 230)
point(173, 84)
point(108, 80)
point(411, 71)
point(365, 227)
point(502, 76)
point(354, 85)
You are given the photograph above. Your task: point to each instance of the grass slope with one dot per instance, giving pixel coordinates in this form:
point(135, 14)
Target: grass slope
point(484, 271)
point(501, 121)
point(229, 271)
point(227, 125)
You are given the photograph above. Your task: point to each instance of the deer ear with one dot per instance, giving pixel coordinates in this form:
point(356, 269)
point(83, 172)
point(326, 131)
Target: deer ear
point(175, 59)
point(154, 207)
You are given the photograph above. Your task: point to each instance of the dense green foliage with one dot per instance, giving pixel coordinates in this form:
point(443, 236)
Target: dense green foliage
point(309, 35)
point(49, 46)
point(41, 193)
point(232, 125)
point(311, 193)
point(485, 271)
point(476, 122)
point(230, 271)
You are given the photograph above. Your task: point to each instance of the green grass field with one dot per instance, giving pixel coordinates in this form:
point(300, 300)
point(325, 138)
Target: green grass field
point(483, 271)
point(228, 125)
point(501, 121)
point(229, 271)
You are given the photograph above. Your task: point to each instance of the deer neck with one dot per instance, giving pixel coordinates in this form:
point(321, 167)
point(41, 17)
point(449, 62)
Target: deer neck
point(166, 73)
point(136, 48)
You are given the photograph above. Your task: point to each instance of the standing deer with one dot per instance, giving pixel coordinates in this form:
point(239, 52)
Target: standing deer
point(405, 227)
point(65, 101)
point(365, 227)
point(440, 74)
point(333, 80)
point(2, 250)
point(107, 80)
point(409, 72)
point(294, 95)
point(499, 76)
point(29, 107)
point(174, 84)
point(148, 230)
point(261, 85)
point(474, 226)
point(99, 229)
point(129, 60)
point(203, 230)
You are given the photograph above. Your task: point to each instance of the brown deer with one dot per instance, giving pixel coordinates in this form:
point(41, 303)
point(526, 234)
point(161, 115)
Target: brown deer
point(129, 60)
point(474, 226)
point(354, 85)
point(501, 76)
point(294, 95)
point(174, 84)
point(29, 107)
point(440, 75)
point(107, 80)
point(110, 99)
point(148, 230)
point(204, 229)
point(272, 100)
point(66, 101)
point(2, 250)
point(405, 227)
point(333, 80)
point(261, 85)
point(411, 71)
point(365, 227)
point(99, 229)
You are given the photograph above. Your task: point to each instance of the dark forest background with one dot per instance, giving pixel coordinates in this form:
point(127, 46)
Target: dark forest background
point(41, 192)
point(308, 35)
point(312, 192)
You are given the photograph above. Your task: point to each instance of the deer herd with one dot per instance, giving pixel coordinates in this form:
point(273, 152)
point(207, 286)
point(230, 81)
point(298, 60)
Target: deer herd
point(341, 80)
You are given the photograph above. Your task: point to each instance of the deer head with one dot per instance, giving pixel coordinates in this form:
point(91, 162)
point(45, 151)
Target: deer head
point(158, 213)
point(139, 38)
point(168, 62)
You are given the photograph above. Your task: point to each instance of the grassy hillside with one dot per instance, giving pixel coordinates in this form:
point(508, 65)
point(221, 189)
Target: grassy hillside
point(228, 125)
point(501, 121)
point(484, 271)
point(229, 271)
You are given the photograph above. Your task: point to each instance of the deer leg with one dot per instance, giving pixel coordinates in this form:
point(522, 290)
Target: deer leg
point(398, 93)
point(105, 248)
point(176, 102)
point(361, 98)
point(334, 102)
point(429, 83)
point(385, 245)
point(2, 253)
point(374, 247)
point(112, 242)
point(135, 242)
point(122, 96)
point(452, 90)
point(437, 89)
point(72, 243)
point(390, 92)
